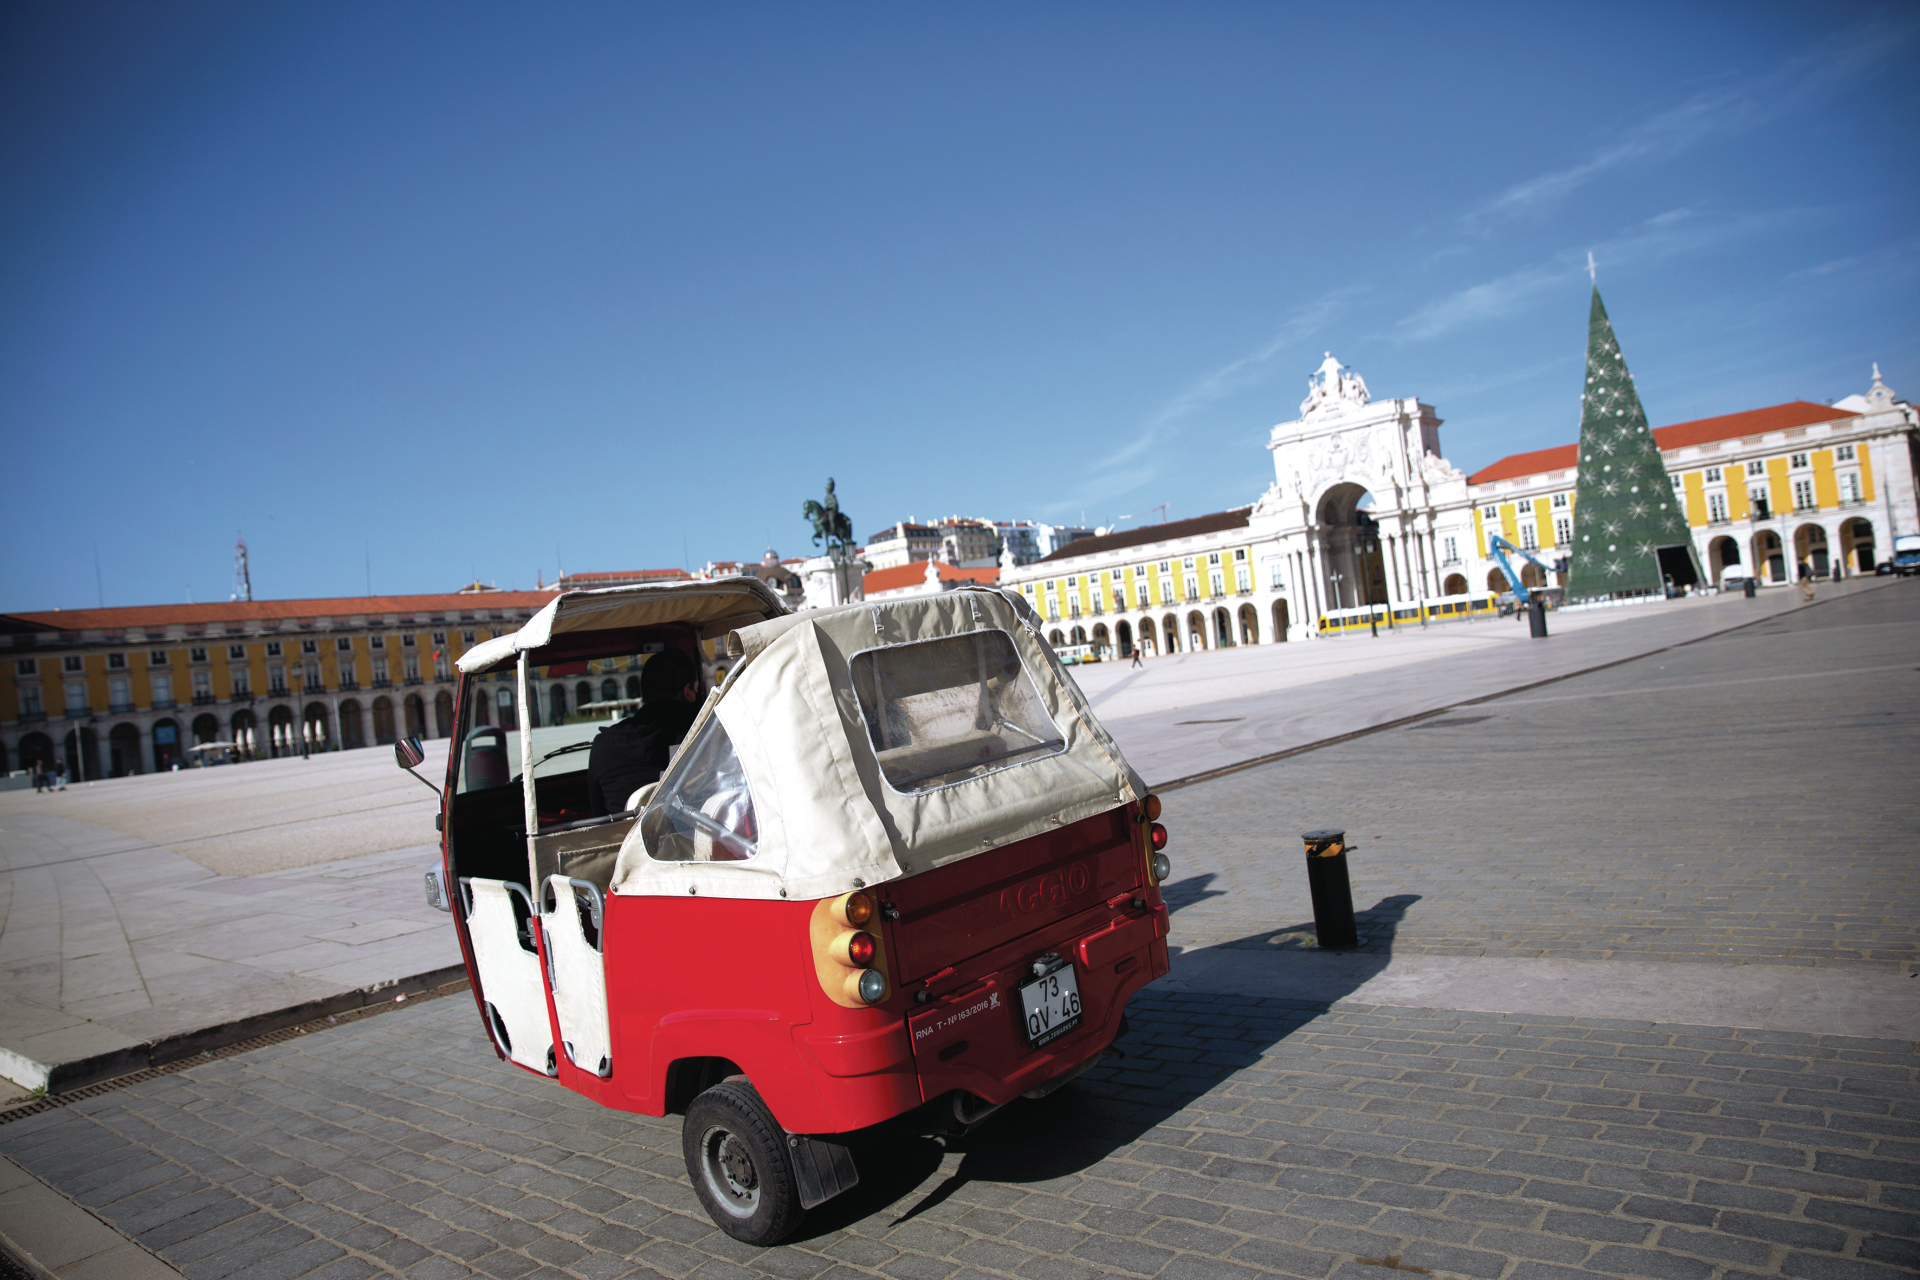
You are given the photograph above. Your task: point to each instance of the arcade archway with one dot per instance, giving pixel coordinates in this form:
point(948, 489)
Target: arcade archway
point(1722, 553)
point(1249, 624)
point(1856, 543)
point(1350, 548)
point(1123, 631)
point(1280, 622)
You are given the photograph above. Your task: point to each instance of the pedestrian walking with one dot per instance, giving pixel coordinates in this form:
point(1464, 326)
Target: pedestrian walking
point(1806, 581)
point(39, 776)
point(1136, 657)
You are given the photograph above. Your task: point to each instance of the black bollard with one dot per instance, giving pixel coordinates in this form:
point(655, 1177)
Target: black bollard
point(1537, 617)
point(1748, 587)
point(1332, 893)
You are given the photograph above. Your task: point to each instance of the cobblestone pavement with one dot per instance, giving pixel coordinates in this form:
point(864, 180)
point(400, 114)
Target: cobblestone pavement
point(1748, 799)
point(1237, 1138)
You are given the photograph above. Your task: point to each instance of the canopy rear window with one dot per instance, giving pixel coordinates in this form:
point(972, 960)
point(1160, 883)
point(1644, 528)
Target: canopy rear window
point(943, 711)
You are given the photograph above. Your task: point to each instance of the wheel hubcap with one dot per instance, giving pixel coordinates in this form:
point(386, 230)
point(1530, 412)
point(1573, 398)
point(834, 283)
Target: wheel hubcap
point(730, 1173)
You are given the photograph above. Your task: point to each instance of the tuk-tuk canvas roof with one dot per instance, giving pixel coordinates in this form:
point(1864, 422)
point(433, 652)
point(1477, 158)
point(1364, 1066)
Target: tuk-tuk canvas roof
point(828, 820)
point(716, 607)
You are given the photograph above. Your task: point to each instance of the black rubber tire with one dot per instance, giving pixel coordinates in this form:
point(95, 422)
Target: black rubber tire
point(738, 1163)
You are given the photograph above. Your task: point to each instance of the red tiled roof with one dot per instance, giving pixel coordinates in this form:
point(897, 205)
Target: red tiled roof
point(162, 615)
point(626, 575)
point(907, 575)
point(1215, 523)
point(1559, 458)
point(1728, 426)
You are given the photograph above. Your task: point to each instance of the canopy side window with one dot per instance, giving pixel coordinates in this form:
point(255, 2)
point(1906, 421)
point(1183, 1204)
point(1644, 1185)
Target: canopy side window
point(942, 711)
point(704, 810)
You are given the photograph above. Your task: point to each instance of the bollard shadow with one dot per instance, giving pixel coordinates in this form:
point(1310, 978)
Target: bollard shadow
point(1180, 1044)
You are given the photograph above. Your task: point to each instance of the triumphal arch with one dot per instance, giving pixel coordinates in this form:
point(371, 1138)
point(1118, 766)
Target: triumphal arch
point(1363, 508)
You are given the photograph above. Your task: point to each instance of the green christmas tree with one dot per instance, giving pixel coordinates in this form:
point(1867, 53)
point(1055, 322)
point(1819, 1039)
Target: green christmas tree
point(1624, 508)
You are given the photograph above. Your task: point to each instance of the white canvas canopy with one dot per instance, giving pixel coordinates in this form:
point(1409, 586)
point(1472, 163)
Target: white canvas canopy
point(715, 607)
point(827, 813)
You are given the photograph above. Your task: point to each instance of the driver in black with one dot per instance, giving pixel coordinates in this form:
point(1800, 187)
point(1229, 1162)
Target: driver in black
point(630, 753)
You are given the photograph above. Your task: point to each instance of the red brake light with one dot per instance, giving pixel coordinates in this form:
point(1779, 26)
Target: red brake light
point(860, 949)
point(1157, 834)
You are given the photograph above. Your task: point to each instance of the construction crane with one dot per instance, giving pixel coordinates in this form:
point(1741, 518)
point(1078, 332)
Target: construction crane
point(1162, 509)
point(1498, 546)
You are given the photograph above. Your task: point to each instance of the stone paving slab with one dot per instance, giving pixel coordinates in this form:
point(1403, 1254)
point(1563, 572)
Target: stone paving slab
point(1744, 800)
point(63, 1239)
point(115, 954)
point(1238, 1137)
point(1185, 714)
point(1763, 997)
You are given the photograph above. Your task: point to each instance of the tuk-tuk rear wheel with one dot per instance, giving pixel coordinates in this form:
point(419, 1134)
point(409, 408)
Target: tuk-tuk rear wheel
point(738, 1163)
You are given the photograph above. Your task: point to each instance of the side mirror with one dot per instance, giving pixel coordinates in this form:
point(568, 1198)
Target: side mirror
point(407, 753)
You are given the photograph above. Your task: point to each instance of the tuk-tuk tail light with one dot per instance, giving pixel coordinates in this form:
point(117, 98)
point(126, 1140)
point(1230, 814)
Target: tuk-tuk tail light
point(1151, 808)
point(854, 910)
point(855, 949)
point(1158, 835)
point(869, 985)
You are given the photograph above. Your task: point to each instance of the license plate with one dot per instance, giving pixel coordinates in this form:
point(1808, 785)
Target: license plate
point(1051, 1005)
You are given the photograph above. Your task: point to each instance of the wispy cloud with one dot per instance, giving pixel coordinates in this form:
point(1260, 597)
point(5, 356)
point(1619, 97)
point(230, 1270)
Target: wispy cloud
point(1858, 51)
point(1657, 238)
point(1127, 466)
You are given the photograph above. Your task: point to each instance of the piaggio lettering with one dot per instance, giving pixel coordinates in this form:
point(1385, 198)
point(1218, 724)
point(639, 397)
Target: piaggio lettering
point(1050, 889)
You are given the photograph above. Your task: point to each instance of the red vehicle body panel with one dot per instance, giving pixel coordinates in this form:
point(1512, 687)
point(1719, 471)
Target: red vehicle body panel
point(734, 979)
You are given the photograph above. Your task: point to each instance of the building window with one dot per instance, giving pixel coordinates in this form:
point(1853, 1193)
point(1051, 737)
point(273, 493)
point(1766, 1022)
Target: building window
point(1242, 579)
point(157, 658)
point(120, 695)
point(343, 644)
point(30, 701)
point(1803, 496)
point(309, 646)
point(406, 642)
point(276, 680)
point(1193, 587)
point(1279, 576)
point(1166, 566)
point(273, 648)
point(202, 685)
point(379, 671)
point(439, 638)
point(76, 697)
point(236, 653)
point(376, 642)
point(1562, 530)
point(466, 637)
point(1559, 499)
point(1757, 499)
point(1713, 475)
point(1140, 594)
point(1756, 468)
point(1798, 462)
point(1213, 558)
point(26, 667)
point(1717, 508)
point(1490, 513)
point(1529, 541)
point(1451, 551)
point(242, 683)
point(1679, 483)
point(1187, 563)
point(71, 664)
point(116, 662)
point(1844, 453)
point(1850, 486)
point(162, 687)
point(196, 655)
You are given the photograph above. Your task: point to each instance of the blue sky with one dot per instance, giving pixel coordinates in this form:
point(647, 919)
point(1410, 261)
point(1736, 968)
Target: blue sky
point(415, 292)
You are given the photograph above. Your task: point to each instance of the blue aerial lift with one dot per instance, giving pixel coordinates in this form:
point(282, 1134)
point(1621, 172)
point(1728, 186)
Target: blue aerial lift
point(1536, 608)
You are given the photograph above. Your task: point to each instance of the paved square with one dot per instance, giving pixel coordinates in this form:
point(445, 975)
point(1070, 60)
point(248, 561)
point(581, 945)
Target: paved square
point(1745, 802)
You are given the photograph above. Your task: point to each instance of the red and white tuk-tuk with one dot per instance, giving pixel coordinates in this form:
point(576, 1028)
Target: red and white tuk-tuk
point(895, 866)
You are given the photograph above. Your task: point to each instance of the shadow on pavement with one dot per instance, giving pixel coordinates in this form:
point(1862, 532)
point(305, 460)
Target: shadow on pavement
point(1179, 1046)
